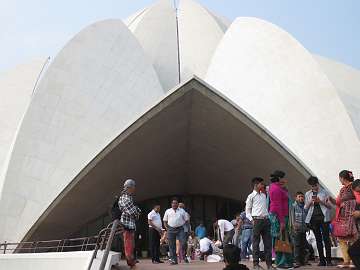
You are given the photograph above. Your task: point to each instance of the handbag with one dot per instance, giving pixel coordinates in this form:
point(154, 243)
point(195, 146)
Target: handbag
point(283, 246)
point(344, 224)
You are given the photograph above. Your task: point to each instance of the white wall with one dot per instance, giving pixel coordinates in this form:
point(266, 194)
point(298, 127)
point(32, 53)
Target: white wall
point(55, 261)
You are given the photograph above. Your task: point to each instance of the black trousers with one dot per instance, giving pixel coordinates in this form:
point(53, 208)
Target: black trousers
point(354, 253)
point(154, 244)
point(299, 247)
point(322, 233)
point(262, 228)
point(228, 237)
point(207, 253)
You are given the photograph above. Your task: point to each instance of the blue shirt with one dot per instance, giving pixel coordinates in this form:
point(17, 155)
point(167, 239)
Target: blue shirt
point(200, 232)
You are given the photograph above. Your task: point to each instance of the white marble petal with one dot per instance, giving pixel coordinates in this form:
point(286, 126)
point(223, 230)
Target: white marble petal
point(16, 89)
point(272, 77)
point(347, 82)
point(99, 83)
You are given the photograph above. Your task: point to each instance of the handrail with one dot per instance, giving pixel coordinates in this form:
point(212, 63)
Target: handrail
point(63, 245)
point(108, 245)
point(103, 241)
point(115, 229)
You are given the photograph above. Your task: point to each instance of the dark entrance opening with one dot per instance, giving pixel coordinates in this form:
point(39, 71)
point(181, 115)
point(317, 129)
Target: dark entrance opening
point(202, 208)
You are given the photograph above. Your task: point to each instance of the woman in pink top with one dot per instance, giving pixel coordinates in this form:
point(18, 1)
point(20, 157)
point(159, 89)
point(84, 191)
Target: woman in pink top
point(279, 215)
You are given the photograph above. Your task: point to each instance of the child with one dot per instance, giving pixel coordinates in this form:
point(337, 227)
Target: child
point(297, 215)
point(232, 257)
point(192, 244)
point(206, 248)
point(164, 245)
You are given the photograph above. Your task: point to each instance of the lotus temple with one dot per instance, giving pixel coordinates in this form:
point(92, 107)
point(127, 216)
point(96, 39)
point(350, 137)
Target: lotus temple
point(178, 98)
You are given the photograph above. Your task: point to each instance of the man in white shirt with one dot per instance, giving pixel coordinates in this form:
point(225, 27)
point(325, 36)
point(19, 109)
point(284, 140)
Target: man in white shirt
point(226, 231)
point(257, 212)
point(155, 231)
point(206, 248)
point(174, 220)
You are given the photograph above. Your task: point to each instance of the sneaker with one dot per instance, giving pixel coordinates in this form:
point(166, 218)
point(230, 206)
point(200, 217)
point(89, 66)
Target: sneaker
point(322, 263)
point(329, 263)
point(186, 260)
point(297, 265)
point(173, 263)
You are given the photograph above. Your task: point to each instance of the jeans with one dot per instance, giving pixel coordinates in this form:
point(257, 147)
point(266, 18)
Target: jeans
point(262, 228)
point(354, 253)
point(173, 234)
point(154, 244)
point(246, 240)
point(299, 239)
point(322, 233)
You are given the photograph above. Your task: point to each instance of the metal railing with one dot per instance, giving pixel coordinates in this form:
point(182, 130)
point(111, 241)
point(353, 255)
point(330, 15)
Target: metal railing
point(102, 241)
point(109, 232)
point(75, 244)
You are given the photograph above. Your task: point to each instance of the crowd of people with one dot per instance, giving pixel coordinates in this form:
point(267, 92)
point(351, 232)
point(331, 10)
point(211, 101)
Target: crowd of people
point(273, 227)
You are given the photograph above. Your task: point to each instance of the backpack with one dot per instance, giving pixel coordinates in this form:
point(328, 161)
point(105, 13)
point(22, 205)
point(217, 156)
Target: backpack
point(115, 210)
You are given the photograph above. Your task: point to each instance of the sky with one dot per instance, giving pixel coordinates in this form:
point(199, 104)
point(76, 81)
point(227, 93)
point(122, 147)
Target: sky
point(40, 28)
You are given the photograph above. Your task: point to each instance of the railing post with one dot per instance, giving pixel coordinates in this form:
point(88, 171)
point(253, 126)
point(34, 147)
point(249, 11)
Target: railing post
point(5, 245)
point(108, 245)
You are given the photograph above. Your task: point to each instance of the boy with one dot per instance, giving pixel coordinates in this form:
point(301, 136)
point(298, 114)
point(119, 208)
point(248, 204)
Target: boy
point(206, 248)
point(298, 215)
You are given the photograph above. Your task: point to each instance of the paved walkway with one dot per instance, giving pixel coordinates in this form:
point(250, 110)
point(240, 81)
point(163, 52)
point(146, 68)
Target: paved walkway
point(147, 265)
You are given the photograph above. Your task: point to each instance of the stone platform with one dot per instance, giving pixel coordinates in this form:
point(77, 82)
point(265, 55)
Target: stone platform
point(198, 265)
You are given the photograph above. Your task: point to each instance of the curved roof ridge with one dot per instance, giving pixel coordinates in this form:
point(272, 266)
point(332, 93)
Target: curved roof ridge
point(346, 80)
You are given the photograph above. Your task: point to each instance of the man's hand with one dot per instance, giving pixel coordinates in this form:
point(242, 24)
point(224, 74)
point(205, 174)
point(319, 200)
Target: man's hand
point(356, 214)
